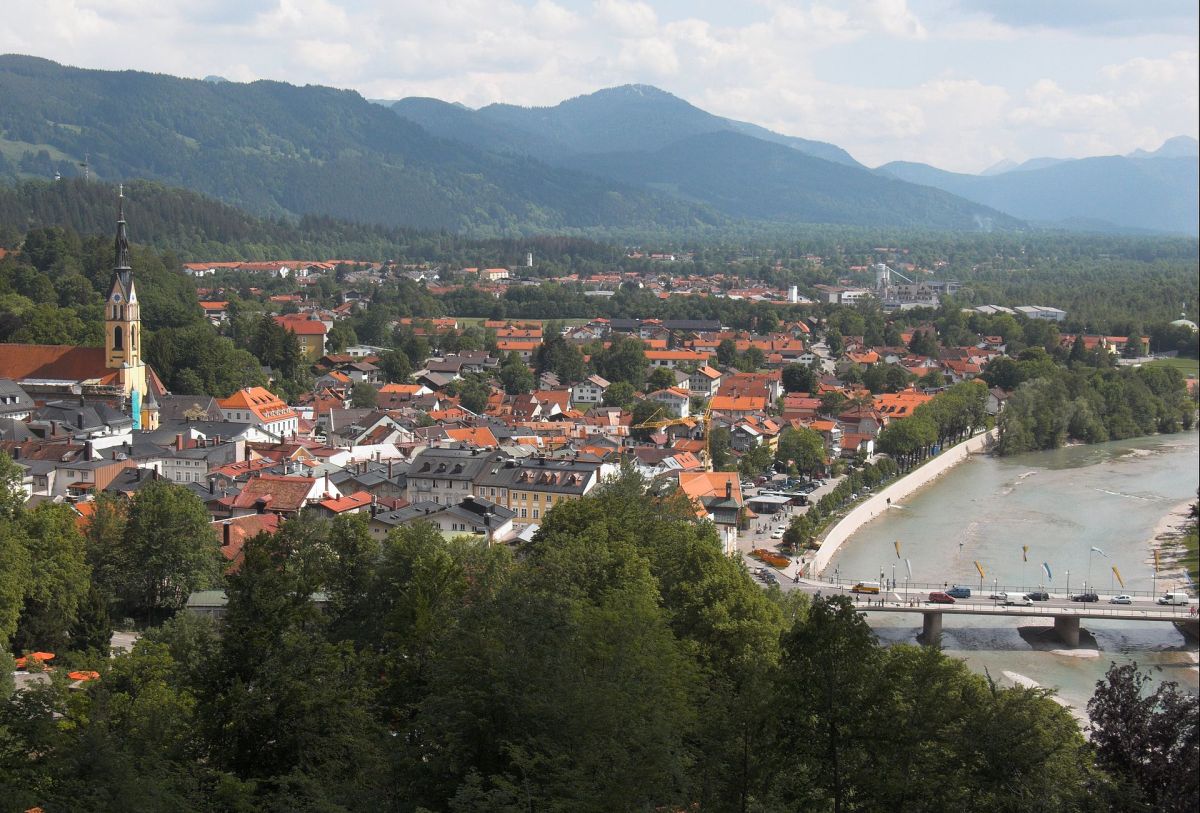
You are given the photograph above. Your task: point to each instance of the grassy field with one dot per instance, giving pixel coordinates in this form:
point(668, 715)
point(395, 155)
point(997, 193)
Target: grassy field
point(1184, 365)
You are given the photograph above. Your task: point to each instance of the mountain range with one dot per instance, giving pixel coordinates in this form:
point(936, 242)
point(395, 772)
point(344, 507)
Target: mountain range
point(1142, 191)
point(632, 158)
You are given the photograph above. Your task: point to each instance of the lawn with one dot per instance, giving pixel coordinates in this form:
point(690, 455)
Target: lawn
point(1184, 365)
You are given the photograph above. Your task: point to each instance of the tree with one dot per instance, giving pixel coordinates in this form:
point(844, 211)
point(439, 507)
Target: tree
point(169, 551)
point(799, 378)
point(1148, 740)
point(473, 392)
point(833, 340)
point(58, 577)
point(924, 343)
point(727, 353)
point(832, 401)
point(660, 378)
point(620, 394)
point(395, 366)
point(804, 448)
point(623, 360)
point(514, 376)
point(14, 576)
point(364, 396)
point(720, 448)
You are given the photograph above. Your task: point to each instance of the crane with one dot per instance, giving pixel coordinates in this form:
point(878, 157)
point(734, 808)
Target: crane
point(662, 423)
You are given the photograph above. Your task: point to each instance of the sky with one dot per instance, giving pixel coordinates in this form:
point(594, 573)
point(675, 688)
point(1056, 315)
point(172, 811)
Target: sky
point(960, 84)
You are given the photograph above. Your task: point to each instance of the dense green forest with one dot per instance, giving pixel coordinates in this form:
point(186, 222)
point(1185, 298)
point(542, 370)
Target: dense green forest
point(618, 662)
point(1087, 400)
point(1107, 284)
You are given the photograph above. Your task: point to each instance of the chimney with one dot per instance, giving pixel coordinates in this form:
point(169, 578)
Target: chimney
point(227, 535)
point(16, 453)
point(212, 485)
point(88, 451)
point(179, 441)
point(137, 475)
point(729, 489)
point(79, 419)
point(389, 469)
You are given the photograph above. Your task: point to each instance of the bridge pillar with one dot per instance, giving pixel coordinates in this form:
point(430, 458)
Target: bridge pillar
point(1190, 628)
point(1066, 627)
point(931, 629)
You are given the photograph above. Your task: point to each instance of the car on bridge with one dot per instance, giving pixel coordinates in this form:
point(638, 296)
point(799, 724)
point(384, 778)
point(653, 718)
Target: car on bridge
point(958, 591)
point(1085, 597)
point(1016, 600)
point(1122, 599)
point(938, 597)
point(1038, 595)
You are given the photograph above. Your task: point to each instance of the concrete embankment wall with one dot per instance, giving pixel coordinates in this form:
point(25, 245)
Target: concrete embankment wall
point(877, 503)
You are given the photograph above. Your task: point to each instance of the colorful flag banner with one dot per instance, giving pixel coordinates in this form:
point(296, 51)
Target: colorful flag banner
point(1117, 573)
point(979, 567)
point(897, 548)
point(1156, 560)
point(1024, 553)
point(1049, 575)
point(1097, 550)
point(908, 567)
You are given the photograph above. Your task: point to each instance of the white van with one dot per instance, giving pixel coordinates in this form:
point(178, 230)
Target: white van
point(1017, 600)
point(1174, 599)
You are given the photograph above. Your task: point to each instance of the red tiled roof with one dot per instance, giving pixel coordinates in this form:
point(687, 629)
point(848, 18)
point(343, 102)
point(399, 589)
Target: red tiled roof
point(280, 493)
point(54, 361)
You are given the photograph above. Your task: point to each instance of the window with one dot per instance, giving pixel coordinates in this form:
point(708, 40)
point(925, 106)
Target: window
point(118, 338)
point(535, 513)
point(524, 513)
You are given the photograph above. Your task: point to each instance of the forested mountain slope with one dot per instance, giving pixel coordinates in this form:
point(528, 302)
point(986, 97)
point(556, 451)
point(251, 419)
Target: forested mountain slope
point(278, 149)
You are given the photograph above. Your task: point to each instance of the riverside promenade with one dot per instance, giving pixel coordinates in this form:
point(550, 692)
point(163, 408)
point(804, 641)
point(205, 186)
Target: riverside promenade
point(879, 502)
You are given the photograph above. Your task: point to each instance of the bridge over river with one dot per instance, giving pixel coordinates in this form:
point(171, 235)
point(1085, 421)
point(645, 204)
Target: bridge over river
point(1064, 612)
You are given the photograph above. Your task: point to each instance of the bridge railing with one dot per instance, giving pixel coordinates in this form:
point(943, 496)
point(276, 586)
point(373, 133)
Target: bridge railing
point(1122, 612)
point(1055, 590)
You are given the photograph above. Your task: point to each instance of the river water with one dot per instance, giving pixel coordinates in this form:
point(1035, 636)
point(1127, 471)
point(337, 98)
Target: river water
point(1060, 504)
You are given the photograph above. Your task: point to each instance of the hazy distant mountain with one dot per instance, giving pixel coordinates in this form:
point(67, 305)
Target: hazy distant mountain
point(746, 177)
point(1112, 193)
point(619, 119)
point(640, 135)
point(277, 149)
point(1000, 167)
point(1177, 147)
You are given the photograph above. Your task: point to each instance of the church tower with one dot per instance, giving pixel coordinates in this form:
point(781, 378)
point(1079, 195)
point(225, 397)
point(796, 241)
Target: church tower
point(123, 329)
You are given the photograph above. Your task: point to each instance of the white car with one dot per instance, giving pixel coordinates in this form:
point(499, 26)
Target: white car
point(1122, 599)
point(777, 533)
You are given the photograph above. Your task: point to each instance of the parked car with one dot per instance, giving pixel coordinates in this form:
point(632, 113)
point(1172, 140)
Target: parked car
point(1174, 599)
point(1038, 595)
point(777, 533)
point(1085, 597)
point(1121, 600)
point(938, 597)
point(958, 591)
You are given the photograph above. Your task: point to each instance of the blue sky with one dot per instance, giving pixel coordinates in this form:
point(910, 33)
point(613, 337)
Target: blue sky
point(960, 84)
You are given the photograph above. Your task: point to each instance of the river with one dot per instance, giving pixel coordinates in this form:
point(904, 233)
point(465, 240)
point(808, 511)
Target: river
point(1060, 504)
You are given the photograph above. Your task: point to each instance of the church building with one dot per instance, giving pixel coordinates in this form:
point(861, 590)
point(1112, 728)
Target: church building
point(115, 372)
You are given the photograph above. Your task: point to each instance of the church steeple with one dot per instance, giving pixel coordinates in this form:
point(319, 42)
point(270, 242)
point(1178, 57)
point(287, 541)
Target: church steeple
point(122, 323)
point(122, 270)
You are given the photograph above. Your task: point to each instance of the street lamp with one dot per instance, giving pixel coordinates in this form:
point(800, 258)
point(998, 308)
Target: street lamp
point(995, 588)
point(893, 576)
point(1068, 584)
